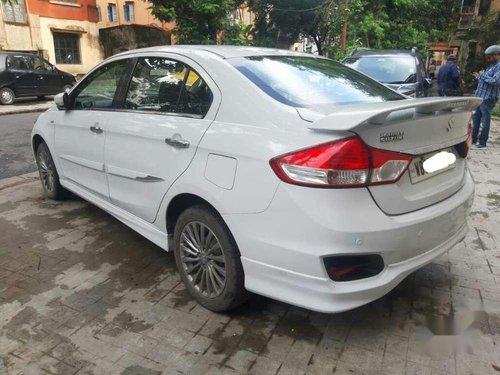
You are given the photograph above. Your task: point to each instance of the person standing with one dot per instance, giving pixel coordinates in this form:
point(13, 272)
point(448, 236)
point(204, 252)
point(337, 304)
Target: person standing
point(432, 70)
point(488, 88)
point(449, 78)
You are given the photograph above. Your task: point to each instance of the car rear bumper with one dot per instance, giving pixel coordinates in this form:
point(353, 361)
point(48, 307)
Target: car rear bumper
point(283, 248)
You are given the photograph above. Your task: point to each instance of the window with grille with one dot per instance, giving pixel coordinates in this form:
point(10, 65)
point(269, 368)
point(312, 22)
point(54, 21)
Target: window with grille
point(128, 11)
point(14, 11)
point(112, 17)
point(67, 48)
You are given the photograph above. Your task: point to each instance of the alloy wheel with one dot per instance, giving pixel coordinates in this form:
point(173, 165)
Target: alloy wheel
point(46, 167)
point(6, 96)
point(202, 259)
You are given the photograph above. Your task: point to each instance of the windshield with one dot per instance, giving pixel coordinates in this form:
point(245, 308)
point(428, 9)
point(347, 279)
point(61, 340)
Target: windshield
point(301, 81)
point(386, 69)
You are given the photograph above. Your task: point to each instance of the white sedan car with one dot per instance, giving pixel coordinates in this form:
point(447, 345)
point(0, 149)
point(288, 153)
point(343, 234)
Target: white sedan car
point(280, 173)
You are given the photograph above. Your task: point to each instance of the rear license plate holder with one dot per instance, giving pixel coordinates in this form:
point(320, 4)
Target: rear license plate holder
point(416, 169)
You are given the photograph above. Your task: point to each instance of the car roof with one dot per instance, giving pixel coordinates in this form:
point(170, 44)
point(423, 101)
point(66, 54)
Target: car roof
point(225, 52)
point(380, 52)
point(7, 53)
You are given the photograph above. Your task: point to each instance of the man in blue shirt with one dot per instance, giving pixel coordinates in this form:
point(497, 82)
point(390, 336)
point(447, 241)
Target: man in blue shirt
point(488, 88)
point(449, 76)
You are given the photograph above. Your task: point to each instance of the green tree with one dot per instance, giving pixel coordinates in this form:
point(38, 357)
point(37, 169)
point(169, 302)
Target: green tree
point(371, 23)
point(197, 21)
point(318, 19)
point(399, 23)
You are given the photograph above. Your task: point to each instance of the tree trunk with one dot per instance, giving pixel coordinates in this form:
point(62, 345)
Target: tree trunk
point(319, 46)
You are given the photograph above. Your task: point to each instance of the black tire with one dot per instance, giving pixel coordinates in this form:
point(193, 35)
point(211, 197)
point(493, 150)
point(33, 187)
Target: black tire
point(48, 173)
point(7, 96)
point(232, 293)
point(66, 88)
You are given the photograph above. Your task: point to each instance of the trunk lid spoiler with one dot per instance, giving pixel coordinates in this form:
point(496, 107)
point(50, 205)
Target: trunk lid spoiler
point(349, 117)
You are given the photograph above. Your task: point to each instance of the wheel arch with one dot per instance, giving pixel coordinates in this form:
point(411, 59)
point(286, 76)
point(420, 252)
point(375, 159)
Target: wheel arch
point(179, 204)
point(36, 141)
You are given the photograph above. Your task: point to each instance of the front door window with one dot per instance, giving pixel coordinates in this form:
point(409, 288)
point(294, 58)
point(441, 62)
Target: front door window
point(99, 89)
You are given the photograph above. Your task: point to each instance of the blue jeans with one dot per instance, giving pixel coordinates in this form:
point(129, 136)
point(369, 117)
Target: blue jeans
point(482, 114)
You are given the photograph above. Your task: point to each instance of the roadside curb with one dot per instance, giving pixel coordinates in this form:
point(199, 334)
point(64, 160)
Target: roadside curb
point(27, 110)
point(18, 180)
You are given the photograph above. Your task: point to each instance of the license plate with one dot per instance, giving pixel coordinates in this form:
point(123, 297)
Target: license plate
point(417, 171)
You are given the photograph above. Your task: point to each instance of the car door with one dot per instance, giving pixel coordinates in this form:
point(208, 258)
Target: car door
point(169, 104)
point(47, 81)
point(80, 131)
point(20, 70)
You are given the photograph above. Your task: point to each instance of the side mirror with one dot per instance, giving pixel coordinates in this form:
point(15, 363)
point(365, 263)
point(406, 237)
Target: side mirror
point(62, 100)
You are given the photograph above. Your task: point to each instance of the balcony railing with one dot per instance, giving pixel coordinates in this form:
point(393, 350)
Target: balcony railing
point(467, 21)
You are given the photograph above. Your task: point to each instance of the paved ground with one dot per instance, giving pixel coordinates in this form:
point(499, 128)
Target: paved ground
point(16, 157)
point(81, 293)
point(25, 105)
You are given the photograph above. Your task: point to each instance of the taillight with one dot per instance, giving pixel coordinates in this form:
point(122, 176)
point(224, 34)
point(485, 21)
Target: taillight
point(345, 163)
point(464, 147)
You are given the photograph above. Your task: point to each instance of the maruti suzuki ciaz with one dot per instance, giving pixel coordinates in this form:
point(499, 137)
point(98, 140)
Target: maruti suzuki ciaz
point(280, 173)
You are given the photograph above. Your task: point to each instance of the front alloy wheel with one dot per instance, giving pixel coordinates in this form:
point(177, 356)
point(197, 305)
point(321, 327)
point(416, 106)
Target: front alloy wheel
point(208, 259)
point(48, 173)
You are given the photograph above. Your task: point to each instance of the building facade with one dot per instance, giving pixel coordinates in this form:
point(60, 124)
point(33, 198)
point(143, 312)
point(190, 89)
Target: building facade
point(65, 32)
point(128, 12)
point(476, 26)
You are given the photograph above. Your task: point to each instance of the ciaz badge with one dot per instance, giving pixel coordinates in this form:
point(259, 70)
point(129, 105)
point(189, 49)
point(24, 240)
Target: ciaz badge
point(392, 136)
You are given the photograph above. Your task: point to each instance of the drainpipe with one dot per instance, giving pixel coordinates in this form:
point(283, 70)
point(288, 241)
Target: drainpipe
point(29, 23)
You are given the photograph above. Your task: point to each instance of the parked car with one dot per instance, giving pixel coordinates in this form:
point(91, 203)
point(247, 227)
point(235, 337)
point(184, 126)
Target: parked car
point(402, 71)
point(24, 74)
point(280, 173)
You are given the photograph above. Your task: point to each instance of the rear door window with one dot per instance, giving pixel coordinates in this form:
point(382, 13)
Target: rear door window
point(156, 85)
point(196, 96)
point(19, 63)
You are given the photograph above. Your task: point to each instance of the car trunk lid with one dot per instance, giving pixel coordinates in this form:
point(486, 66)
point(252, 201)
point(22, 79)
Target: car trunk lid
point(419, 127)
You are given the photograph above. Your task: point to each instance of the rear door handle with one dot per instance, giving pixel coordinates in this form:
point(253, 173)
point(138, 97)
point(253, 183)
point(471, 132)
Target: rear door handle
point(177, 141)
point(96, 129)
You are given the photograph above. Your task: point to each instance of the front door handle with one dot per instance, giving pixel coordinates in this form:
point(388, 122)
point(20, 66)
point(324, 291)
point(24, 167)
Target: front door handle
point(96, 129)
point(177, 141)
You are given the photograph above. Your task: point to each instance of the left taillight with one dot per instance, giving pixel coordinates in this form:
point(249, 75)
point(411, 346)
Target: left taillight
point(345, 163)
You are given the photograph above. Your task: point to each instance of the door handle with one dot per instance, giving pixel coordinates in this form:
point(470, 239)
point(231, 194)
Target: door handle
point(177, 141)
point(96, 129)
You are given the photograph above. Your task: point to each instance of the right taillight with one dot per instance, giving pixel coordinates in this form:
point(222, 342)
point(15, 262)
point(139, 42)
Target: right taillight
point(345, 163)
point(464, 147)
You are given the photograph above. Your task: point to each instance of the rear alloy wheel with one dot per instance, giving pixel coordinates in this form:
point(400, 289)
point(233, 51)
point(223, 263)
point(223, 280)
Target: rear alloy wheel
point(48, 173)
point(208, 259)
point(7, 96)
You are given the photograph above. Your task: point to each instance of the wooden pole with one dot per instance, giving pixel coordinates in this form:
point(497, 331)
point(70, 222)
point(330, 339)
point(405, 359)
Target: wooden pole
point(344, 29)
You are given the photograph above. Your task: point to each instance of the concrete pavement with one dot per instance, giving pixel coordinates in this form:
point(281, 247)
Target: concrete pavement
point(81, 293)
point(16, 157)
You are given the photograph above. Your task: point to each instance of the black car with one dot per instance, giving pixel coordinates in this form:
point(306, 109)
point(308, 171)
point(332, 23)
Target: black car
point(400, 70)
point(23, 74)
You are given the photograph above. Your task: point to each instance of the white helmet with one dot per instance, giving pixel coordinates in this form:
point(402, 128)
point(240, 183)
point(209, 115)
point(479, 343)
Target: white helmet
point(492, 50)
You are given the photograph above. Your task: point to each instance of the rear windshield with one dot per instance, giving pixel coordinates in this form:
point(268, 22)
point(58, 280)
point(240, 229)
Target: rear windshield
point(386, 69)
point(301, 81)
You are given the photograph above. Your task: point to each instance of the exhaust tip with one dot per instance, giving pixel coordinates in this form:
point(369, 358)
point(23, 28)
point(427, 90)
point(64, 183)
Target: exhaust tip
point(343, 268)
